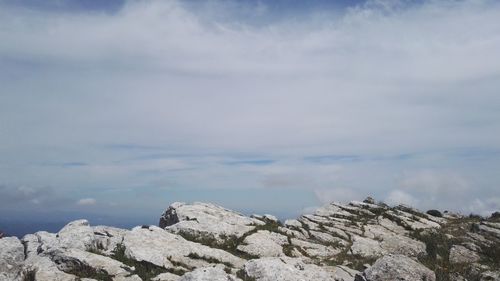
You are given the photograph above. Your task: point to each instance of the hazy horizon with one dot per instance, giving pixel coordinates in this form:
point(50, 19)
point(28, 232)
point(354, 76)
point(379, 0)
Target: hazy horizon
point(115, 109)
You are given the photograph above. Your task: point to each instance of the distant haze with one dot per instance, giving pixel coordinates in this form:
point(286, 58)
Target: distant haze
point(116, 109)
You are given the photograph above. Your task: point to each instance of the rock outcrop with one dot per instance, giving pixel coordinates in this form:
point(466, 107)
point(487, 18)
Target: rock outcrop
point(396, 267)
point(362, 241)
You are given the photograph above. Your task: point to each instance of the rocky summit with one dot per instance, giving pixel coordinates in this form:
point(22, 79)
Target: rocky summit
point(358, 241)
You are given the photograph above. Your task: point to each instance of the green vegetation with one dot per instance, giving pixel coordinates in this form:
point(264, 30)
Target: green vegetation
point(82, 270)
point(231, 242)
point(96, 249)
point(208, 259)
point(144, 269)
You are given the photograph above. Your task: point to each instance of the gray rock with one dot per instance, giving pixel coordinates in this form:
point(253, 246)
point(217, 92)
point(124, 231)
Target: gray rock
point(285, 269)
point(202, 222)
point(76, 234)
point(397, 267)
point(45, 269)
point(460, 254)
point(264, 243)
point(11, 259)
point(162, 248)
point(215, 273)
point(76, 259)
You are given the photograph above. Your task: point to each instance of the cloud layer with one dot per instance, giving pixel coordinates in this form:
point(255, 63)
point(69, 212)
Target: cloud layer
point(386, 98)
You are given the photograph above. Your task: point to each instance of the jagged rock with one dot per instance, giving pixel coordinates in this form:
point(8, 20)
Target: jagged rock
point(11, 259)
point(411, 221)
point(264, 243)
point(164, 249)
point(460, 254)
point(215, 273)
point(325, 238)
point(44, 269)
point(76, 234)
point(201, 221)
point(284, 269)
point(396, 267)
point(75, 260)
point(292, 223)
point(365, 247)
point(106, 238)
point(315, 249)
point(490, 228)
point(403, 245)
point(293, 233)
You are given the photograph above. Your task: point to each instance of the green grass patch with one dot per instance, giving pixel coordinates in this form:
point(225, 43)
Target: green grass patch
point(143, 269)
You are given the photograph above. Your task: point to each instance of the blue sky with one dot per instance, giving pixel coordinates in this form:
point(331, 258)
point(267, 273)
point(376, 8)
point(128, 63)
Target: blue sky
point(118, 108)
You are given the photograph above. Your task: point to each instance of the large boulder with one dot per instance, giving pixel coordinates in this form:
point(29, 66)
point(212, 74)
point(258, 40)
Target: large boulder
point(75, 261)
point(11, 259)
point(164, 249)
point(460, 254)
point(396, 267)
point(284, 269)
point(206, 223)
point(76, 234)
point(264, 244)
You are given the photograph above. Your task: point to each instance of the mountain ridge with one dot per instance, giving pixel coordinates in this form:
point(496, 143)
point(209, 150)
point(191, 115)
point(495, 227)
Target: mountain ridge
point(361, 241)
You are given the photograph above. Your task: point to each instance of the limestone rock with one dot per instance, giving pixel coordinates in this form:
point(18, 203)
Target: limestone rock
point(366, 248)
point(45, 269)
point(76, 234)
point(11, 259)
point(215, 273)
point(264, 243)
point(285, 269)
point(202, 221)
point(315, 249)
point(162, 248)
point(460, 254)
point(396, 267)
point(74, 260)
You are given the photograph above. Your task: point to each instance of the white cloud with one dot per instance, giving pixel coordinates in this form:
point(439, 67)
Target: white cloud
point(86, 202)
point(484, 207)
point(434, 182)
point(327, 195)
point(397, 197)
point(194, 91)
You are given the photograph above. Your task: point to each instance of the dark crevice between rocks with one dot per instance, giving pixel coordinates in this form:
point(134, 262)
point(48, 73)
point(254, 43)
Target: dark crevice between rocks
point(25, 249)
point(195, 256)
point(80, 269)
point(29, 275)
point(242, 274)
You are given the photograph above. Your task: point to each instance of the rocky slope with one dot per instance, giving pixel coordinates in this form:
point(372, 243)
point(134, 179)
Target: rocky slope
point(357, 241)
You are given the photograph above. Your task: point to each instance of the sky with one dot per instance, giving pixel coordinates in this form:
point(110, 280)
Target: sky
point(115, 109)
